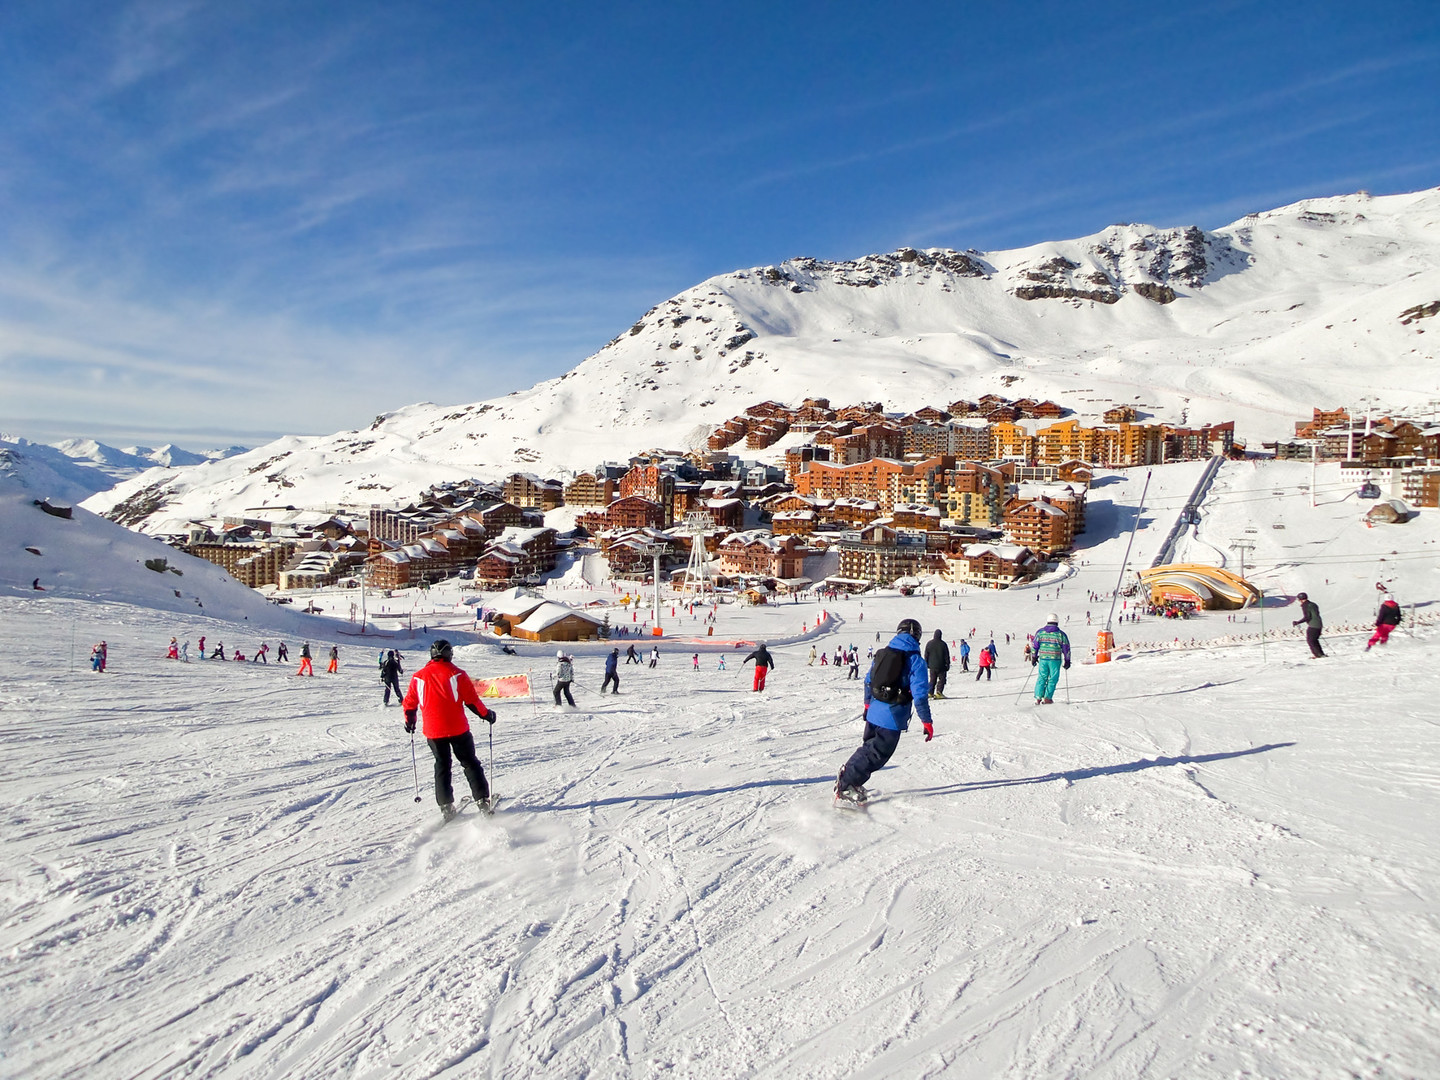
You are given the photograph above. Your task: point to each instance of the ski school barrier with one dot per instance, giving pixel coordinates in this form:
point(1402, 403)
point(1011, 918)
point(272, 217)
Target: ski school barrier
point(1287, 633)
point(504, 686)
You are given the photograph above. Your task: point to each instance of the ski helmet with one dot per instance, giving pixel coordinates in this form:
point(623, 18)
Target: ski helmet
point(1052, 617)
point(559, 654)
point(1298, 596)
point(440, 650)
point(909, 626)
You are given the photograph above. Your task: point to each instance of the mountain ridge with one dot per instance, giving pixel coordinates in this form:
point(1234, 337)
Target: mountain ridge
point(1255, 322)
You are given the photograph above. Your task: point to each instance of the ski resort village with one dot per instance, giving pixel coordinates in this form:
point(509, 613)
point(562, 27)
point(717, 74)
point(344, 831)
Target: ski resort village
point(1006, 664)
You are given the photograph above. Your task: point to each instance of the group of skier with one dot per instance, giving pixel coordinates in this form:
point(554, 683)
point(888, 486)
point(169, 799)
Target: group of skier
point(181, 651)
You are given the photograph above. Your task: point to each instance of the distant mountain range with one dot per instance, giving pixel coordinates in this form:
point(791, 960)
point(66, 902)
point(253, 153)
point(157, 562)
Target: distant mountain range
point(1324, 302)
point(78, 468)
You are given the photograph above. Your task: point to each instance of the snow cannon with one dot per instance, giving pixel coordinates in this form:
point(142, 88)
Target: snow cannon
point(1104, 643)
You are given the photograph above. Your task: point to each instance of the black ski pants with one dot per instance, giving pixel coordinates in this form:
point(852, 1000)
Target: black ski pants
point(964, 663)
point(565, 688)
point(610, 677)
point(984, 671)
point(937, 681)
point(463, 747)
point(1312, 638)
point(393, 683)
point(876, 749)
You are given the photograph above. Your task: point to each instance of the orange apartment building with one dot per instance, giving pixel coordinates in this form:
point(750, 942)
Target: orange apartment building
point(587, 489)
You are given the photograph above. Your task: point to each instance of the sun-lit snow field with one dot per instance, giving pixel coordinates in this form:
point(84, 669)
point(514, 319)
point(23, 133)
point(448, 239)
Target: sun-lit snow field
point(1211, 862)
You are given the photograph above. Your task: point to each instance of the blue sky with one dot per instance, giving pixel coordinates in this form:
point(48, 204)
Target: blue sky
point(220, 221)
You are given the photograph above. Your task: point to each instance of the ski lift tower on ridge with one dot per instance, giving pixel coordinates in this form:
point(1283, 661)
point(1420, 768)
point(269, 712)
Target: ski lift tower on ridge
point(697, 570)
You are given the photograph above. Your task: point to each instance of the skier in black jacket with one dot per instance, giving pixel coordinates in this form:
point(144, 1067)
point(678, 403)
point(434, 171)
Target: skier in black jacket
point(763, 663)
point(937, 662)
point(390, 672)
point(1310, 616)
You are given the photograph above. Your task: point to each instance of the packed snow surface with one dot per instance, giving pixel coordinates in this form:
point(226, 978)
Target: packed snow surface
point(1208, 862)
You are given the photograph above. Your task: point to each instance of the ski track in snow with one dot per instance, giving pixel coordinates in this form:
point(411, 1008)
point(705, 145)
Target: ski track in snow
point(1209, 863)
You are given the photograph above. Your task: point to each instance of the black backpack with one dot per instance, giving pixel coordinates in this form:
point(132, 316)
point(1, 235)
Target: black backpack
point(890, 677)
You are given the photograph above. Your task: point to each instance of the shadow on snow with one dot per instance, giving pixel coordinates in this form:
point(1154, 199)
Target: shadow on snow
point(1072, 775)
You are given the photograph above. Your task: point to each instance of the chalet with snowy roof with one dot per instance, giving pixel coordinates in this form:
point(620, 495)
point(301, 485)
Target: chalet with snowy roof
point(627, 553)
point(633, 512)
point(1069, 497)
point(556, 622)
point(870, 441)
point(927, 414)
point(528, 491)
point(850, 511)
point(587, 489)
point(962, 408)
point(499, 516)
point(794, 522)
point(767, 410)
point(915, 516)
point(727, 513)
point(828, 433)
point(759, 553)
point(1040, 525)
point(992, 566)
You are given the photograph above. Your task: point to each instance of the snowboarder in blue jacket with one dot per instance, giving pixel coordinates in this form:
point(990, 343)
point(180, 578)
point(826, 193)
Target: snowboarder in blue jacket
point(887, 711)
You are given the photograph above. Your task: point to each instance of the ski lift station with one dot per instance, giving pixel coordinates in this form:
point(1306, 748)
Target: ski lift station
point(1212, 588)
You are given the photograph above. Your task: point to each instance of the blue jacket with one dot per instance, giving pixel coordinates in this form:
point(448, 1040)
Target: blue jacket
point(897, 717)
point(610, 662)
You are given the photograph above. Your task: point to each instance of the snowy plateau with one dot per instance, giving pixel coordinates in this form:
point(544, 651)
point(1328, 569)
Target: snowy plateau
point(1258, 322)
point(1212, 857)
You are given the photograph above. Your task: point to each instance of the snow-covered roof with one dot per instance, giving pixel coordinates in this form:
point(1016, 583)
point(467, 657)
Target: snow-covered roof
point(515, 601)
point(548, 614)
point(1008, 552)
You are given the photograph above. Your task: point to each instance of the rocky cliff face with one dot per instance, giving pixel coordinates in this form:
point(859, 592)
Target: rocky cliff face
point(1158, 264)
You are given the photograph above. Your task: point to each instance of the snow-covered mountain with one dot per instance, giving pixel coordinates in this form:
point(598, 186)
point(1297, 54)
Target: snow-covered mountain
point(1319, 303)
point(86, 557)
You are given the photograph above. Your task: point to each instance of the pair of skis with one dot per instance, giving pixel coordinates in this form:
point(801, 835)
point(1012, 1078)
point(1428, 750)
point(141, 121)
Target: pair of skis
point(487, 810)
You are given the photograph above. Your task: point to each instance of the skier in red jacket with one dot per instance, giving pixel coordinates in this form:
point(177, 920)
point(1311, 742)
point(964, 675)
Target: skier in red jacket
point(441, 693)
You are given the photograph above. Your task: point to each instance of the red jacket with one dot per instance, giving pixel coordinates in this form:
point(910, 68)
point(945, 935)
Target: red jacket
point(440, 691)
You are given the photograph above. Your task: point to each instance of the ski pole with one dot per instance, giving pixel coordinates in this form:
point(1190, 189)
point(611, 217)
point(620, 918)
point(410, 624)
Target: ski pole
point(491, 733)
point(1025, 684)
point(414, 768)
point(1065, 671)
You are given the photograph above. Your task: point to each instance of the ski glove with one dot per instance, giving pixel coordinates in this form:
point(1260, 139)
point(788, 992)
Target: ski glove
point(410, 722)
point(929, 732)
point(490, 717)
point(1067, 665)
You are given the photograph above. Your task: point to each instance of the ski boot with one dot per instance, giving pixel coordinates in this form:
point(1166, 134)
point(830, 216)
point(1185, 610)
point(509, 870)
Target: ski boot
point(449, 813)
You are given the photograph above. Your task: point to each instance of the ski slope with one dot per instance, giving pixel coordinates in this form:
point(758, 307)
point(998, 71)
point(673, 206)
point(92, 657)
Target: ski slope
point(1212, 862)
